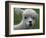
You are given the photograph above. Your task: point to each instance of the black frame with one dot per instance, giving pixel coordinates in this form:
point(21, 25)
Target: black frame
point(7, 18)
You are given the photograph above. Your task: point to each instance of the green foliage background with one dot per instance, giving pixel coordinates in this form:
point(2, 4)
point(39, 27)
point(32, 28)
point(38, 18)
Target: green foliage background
point(17, 16)
point(37, 26)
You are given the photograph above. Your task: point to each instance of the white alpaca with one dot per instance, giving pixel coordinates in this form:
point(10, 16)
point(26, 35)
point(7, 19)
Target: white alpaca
point(28, 20)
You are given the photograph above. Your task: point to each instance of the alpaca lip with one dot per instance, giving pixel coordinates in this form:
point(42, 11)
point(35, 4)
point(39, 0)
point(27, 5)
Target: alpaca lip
point(30, 24)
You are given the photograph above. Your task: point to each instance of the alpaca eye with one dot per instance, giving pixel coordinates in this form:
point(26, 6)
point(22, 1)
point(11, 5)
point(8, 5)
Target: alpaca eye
point(25, 17)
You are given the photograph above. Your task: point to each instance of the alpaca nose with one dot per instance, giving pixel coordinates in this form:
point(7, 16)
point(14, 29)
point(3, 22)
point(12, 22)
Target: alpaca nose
point(30, 22)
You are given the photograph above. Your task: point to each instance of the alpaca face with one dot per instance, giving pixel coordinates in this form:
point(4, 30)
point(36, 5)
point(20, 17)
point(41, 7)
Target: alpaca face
point(29, 16)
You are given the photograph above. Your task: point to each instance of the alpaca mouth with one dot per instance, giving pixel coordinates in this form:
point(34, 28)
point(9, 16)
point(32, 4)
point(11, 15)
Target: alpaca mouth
point(30, 24)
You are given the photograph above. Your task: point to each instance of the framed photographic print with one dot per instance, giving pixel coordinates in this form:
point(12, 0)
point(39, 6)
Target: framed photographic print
point(24, 18)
